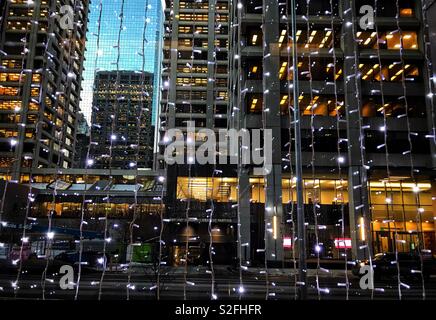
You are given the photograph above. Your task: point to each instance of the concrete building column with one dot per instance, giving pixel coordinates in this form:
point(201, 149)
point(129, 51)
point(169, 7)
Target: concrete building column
point(172, 172)
point(357, 175)
point(271, 121)
point(238, 122)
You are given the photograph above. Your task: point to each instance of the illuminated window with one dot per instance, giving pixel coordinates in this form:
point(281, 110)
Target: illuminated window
point(406, 12)
point(388, 40)
point(389, 72)
point(325, 192)
point(394, 208)
point(204, 189)
point(409, 40)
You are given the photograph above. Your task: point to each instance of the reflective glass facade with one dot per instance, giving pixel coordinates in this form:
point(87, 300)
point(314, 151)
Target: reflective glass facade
point(130, 42)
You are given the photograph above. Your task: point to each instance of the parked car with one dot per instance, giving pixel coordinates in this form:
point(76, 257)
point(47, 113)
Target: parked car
point(384, 265)
point(90, 259)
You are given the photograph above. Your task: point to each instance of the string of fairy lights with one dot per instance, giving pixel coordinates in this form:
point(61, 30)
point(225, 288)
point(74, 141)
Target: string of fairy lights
point(413, 169)
point(313, 105)
point(384, 129)
point(265, 108)
point(350, 16)
point(191, 141)
point(240, 97)
point(166, 110)
point(211, 211)
point(289, 86)
point(113, 137)
point(88, 161)
point(338, 106)
point(236, 102)
point(141, 107)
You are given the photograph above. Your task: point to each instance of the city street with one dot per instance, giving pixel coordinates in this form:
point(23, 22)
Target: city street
point(198, 286)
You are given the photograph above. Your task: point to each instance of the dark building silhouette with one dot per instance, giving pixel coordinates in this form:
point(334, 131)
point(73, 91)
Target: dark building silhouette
point(121, 131)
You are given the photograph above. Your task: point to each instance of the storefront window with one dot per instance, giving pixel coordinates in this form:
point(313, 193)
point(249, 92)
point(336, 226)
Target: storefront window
point(401, 213)
point(204, 189)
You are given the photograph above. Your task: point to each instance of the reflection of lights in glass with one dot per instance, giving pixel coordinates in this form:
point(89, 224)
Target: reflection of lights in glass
point(362, 229)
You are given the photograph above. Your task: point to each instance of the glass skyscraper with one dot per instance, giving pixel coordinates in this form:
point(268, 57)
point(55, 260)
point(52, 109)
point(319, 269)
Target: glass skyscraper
point(130, 43)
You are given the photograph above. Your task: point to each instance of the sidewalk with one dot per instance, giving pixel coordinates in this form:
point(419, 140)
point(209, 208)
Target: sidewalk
point(227, 270)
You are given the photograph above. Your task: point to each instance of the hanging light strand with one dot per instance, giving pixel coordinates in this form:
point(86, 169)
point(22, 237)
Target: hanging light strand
point(141, 107)
point(191, 161)
point(88, 160)
point(214, 172)
point(384, 129)
point(111, 146)
point(338, 145)
point(166, 109)
point(290, 87)
point(312, 105)
point(410, 151)
point(266, 53)
point(365, 167)
point(236, 95)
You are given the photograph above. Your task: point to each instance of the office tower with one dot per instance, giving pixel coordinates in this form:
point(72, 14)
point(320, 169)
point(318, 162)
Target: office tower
point(369, 102)
point(137, 13)
point(41, 58)
point(195, 75)
point(366, 123)
point(121, 131)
